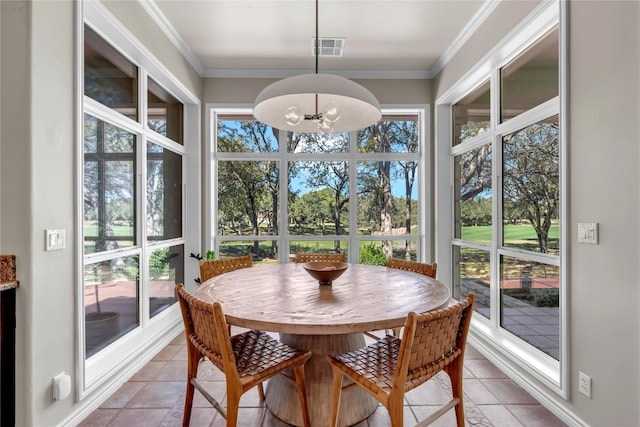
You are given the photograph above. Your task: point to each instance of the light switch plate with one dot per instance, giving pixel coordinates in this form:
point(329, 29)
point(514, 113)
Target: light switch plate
point(54, 240)
point(588, 233)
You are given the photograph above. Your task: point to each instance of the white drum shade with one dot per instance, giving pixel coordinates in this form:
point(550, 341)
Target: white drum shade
point(358, 107)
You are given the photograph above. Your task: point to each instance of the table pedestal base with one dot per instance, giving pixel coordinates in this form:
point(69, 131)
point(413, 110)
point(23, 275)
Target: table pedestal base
point(282, 398)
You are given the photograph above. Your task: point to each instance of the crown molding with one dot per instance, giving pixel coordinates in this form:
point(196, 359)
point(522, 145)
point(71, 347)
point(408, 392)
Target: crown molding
point(284, 73)
point(480, 16)
point(156, 14)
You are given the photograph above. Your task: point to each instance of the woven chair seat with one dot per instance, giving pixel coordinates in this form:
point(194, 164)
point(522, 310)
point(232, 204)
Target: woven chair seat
point(372, 366)
point(260, 356)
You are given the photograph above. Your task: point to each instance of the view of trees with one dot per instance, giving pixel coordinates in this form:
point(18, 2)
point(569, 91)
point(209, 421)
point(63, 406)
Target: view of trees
point(319, 192)
point(531, 174)
point(109, 192)
point(530, 177)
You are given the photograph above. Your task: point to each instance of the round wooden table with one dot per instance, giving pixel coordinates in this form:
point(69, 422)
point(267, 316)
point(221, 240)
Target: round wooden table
point(284, 298)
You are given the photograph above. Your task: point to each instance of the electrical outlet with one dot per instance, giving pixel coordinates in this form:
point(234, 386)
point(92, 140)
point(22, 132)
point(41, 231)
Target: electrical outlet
point(584, 384)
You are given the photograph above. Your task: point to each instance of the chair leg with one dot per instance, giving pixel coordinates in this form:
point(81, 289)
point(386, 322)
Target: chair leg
point(261, 391)
point(192, 372)
point(396, 414)
point(335, 397)
point(455, 374)
point(302, 394)
point(233, 404)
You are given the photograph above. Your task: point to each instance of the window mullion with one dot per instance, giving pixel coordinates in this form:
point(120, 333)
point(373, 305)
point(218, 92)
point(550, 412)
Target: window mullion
point(496, 184)
point(354, 242)
point(284, 241)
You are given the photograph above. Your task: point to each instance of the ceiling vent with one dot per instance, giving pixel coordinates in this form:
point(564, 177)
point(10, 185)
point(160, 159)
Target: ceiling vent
point(329, 46)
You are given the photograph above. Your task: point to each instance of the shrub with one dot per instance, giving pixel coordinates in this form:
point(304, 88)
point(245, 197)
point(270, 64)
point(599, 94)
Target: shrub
point(372, 254)
point(546, 298)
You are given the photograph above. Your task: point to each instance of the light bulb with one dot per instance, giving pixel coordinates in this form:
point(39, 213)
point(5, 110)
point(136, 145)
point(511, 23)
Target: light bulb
point(325, 127)
point(331, 111)
point(293, 116)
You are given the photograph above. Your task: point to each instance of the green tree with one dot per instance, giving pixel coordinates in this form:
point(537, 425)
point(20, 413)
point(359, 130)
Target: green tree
point(406, 135)
point(376, 139)
point(241, 184)
point(375, 181)
point(335, 177)
point(531, 175)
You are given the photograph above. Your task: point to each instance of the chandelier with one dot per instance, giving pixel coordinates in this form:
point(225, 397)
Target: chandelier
point(310, 103)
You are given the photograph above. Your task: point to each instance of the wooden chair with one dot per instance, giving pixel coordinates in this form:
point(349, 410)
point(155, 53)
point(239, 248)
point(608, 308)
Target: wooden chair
point(215, 267)
point(387, 369)
point(315, 257)
point(417, 267)
point(247, 359)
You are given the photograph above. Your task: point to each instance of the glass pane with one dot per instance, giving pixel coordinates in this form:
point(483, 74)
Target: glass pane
point(473, 195)
point(262, 251)
point(248, 198)
point(472, 274)
point(531, 188)
point(319, 198)
point(110, 301)
point(246, 136)
point(109, 77)
point(164, 193)
point(390, 135)
point(166, 268)
point(318, 246)
point(471, 115)
point(109, 186)
point(165, 112)
point(377, 252)
point(317, 143)
point(531, 78)
point(530, 303)
point(388, 197)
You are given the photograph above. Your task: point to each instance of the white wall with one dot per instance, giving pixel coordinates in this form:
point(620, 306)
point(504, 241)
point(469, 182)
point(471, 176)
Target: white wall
point(604, 182)
point(604, 144)
point(15, 230)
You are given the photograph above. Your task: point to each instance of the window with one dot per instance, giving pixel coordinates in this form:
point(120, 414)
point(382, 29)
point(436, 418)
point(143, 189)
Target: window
point(506, 236)
point(277, 193)
point(132, 204)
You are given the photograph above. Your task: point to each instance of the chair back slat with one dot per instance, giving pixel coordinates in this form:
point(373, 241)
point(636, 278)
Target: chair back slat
point(216, 267)
point(416, 267)
point(387, 369)
point(437, 339)
point(208, 331)
point(319, 257)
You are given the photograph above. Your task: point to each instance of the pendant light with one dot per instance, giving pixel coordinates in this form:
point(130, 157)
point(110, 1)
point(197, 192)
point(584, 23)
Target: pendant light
point(311, 103)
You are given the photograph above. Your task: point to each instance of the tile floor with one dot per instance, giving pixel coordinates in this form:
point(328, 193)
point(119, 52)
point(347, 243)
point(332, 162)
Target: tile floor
point(155, 397)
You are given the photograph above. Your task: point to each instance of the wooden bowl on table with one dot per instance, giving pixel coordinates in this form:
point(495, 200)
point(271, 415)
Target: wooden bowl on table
point(325, 271)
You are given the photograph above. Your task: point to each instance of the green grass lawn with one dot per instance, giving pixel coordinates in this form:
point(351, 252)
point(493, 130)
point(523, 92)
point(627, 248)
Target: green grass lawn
point(512, 233)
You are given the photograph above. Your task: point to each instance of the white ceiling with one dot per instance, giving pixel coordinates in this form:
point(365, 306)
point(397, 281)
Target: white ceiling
point(265, 38)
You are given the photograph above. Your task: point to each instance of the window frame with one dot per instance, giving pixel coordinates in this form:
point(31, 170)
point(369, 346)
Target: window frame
point(137, 346)
point(284, 238)
point(505, 349)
